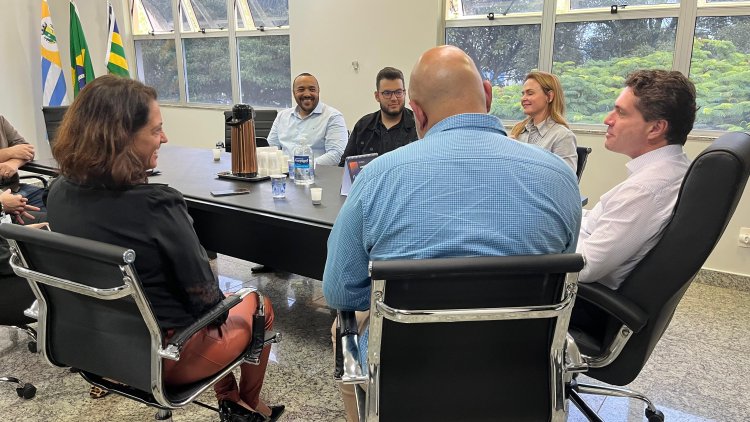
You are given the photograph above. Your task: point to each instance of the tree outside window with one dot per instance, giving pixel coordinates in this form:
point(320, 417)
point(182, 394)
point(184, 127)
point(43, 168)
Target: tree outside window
point(157, 67)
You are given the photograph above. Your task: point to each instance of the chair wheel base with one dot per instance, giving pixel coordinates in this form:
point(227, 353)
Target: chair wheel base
point(654, 416)
point(32, 346)
point(26, 392)
point(163, 415)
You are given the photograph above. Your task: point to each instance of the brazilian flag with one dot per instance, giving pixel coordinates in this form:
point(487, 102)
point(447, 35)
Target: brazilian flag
point(80, 59)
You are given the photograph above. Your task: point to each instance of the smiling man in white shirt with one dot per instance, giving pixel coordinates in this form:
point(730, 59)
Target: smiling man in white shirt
point(649, 123)
point(320, 124)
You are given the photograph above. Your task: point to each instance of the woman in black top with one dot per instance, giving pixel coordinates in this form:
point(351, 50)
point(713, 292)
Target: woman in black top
point(109, 138)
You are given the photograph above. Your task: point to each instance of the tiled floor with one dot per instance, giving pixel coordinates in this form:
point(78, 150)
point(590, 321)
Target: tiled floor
point(700, 371)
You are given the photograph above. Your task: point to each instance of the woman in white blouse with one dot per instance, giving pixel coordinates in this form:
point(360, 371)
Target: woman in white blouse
point(543, 101)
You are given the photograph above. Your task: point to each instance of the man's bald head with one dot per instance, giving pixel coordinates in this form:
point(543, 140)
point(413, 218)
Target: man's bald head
point(445, 82)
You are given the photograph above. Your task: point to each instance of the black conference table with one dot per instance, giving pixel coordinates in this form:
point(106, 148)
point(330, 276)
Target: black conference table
point(288, 234)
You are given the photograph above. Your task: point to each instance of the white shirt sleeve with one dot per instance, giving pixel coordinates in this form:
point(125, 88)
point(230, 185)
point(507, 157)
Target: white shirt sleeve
point(273, 135)
point(615, 232)
point(335, 141)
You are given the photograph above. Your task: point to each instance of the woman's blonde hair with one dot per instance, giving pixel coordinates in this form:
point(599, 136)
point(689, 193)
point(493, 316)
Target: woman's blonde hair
point(556, 107)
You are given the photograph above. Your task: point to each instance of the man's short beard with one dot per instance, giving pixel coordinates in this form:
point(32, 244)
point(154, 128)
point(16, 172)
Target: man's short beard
point(314, 105)
point(391, 113)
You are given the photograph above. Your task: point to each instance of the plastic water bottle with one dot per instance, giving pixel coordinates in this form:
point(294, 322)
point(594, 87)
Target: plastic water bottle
point(303, 163)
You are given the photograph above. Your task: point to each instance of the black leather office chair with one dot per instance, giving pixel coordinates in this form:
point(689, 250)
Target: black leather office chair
point(94, 316)
point(263, 122)
point(227, 131)
point(15, 297)
point(583, 156)
point(636, 315)
point(486, 333)
point(53, 117)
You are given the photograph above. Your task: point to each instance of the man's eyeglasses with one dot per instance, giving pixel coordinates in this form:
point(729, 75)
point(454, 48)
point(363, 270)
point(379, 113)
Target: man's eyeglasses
point(399, 93)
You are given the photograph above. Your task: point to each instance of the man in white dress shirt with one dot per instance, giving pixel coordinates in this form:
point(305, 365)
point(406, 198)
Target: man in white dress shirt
point(650, 123)
point(321, 125)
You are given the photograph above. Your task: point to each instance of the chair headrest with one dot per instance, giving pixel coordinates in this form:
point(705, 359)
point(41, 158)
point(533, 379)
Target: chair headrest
point(101, 251)
point(452, 267)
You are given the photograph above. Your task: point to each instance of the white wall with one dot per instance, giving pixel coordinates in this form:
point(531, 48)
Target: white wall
point(325, 37)
point(193, 127)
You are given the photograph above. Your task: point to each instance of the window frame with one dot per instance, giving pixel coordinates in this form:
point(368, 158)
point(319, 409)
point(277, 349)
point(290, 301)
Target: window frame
point(553, 12)
point(231, 34)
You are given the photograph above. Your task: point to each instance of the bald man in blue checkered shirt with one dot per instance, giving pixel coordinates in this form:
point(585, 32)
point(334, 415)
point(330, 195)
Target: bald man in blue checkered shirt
point(463, 189)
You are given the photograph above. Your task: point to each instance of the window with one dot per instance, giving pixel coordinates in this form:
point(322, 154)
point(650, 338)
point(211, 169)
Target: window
point(157, 63)
point(207, 72)
point(254, 14)
point(504, 54)
point(193, 63)
point(264, 62)
point(593, 48)
point(152, 16)
point(264, 71)
point(592, 60)
point(498, 7)
point(589, 4)
point(719, 68)
point(205, 14)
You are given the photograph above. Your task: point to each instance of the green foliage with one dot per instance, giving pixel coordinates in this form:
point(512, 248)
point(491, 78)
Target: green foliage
point(207, 70)
point(735, 29)
point(160, 61)
point(504, 54)
point(265, 75)
point(581, 42)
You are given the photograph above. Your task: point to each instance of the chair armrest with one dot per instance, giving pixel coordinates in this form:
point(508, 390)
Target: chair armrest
point(614, 304)
point(179, 339)
point(33, 176)
point(255, 349)
point(348, 369)
point(260, 339)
